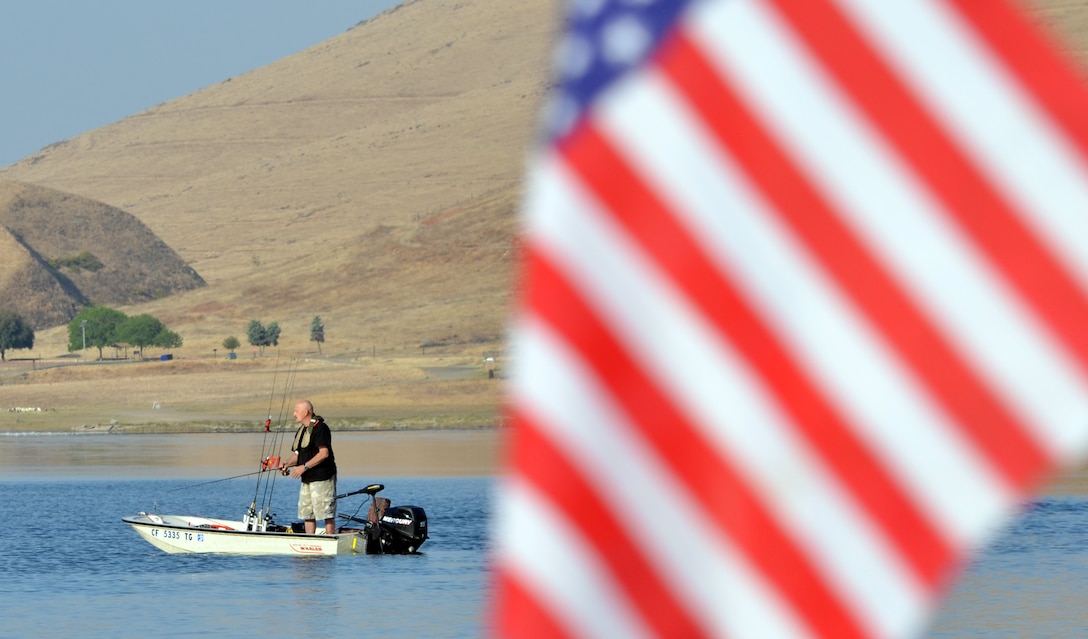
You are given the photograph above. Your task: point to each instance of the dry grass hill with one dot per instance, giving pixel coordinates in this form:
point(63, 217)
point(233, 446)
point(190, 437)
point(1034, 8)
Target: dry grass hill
point(373, 180)
point(66, 251)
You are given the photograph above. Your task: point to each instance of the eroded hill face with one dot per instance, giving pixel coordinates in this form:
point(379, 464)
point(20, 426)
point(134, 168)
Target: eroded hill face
point(62, 252)
point(31, 289)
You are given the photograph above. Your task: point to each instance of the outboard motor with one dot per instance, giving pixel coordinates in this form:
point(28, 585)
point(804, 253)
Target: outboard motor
point(390, 530)
point(403, 529)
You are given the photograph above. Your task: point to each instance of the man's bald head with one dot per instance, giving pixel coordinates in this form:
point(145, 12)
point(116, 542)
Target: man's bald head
point(304, 411)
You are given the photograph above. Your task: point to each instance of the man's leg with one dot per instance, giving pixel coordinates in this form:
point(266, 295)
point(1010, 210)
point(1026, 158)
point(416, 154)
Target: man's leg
point(325, 495)
point(306, 508)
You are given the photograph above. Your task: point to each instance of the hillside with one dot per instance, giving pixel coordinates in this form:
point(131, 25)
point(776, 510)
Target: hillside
point(29, 288)
point(43, 230)
point(373, 179)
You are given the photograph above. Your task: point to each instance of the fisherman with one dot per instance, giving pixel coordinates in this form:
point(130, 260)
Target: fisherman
point(268, 424)
point(313, 462)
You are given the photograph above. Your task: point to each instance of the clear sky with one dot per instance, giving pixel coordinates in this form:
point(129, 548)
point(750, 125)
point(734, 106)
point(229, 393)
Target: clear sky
point(69, 66)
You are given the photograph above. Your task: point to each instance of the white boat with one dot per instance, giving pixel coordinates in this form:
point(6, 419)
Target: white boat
point(185, 533)
point(387, 530)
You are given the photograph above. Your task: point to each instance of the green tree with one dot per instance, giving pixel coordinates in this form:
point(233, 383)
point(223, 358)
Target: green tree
point(146, 330)
point(100, 330)
point(167, 339)
point(317, 332)
point(139, 331)
point(231, 343)
point(260, 335)
point(272, 334)
point(14, 333)
point(255, 334)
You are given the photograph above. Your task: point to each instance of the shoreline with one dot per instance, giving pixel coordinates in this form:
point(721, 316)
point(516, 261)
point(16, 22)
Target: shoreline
point(373, 453)
point(178, 453)
point(226, 429)
point(232, 424)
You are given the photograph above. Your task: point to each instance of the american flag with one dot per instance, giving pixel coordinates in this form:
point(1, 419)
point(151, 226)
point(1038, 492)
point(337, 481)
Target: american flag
point(805, 315)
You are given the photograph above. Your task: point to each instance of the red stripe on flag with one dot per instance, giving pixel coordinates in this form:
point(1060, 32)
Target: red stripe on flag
point(1023, 50)
point(552, 474)
point(729, 503)
point(518, 613)
point(978, 411)
point(971, 201)
point(648, 221)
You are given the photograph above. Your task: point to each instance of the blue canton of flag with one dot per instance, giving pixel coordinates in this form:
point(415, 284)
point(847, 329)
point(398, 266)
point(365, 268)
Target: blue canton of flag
point(604, 40)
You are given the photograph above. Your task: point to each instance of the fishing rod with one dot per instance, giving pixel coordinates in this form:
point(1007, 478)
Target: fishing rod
point(278, 435)
point(372, 489)
point(268, 422)
point(216, 481)
point(272, 393)
point(271, 457)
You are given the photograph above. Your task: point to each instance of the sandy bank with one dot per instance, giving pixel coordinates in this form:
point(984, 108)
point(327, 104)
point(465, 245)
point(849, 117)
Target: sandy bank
point(371, 455)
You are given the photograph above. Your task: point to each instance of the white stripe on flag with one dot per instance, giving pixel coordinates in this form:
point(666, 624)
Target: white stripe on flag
point(900, 424)
point(700, 372)
point(993, 118)
point(879, 197)
point(545, 555)
point(670, 529)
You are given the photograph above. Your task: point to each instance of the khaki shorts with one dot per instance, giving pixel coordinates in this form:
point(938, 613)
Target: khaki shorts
point(317, 500)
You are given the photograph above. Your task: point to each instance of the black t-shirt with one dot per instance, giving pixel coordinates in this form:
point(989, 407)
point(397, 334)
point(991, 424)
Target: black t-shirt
point(320, 437)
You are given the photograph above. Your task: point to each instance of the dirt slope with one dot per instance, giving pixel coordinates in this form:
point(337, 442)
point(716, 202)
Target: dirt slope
point(44, 230)
point(373, 179)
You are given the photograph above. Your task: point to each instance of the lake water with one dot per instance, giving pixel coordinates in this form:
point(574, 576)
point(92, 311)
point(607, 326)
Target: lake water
point(70, 568)
point(1031, 582)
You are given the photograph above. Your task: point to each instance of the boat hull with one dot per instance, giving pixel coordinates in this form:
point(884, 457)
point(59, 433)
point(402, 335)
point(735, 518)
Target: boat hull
point(190, 534)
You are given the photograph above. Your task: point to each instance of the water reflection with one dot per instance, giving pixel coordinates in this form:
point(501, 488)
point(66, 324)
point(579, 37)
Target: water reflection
point(217, 455)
